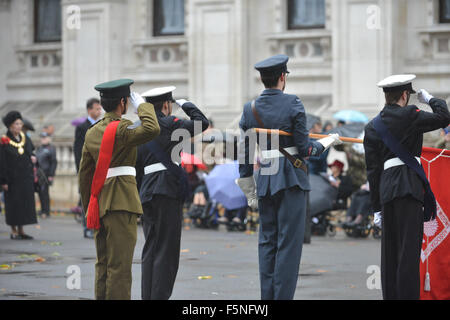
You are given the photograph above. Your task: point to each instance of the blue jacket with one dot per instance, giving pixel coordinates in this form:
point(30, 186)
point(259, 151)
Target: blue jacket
point(278, 110)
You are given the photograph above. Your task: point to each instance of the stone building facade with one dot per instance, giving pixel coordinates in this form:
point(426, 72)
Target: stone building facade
point(53, 52)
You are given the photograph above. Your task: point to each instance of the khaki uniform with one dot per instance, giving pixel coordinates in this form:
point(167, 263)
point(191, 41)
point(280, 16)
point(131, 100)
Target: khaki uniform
point(119, 202)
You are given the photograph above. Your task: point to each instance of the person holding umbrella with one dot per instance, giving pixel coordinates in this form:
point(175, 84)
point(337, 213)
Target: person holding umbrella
point(281, 192)
point(163, 187)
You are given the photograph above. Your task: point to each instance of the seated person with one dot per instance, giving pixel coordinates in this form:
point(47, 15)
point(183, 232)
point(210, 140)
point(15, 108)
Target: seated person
point(199, 201)
point(236, 216)
point(359, 207)
point(342, 182)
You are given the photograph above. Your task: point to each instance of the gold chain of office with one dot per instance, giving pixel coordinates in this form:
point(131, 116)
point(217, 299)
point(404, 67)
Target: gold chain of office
point(19, 145)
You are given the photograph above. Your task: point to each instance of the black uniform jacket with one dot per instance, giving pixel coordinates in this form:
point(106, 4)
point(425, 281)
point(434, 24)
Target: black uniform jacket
point(80, 133)
point(407, 124)
point(164, 182)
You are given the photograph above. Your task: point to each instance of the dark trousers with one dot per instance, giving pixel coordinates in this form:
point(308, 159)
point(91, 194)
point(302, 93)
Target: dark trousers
point(282, 227)
point(400, 248)
point(44, 197)
point(161, 223)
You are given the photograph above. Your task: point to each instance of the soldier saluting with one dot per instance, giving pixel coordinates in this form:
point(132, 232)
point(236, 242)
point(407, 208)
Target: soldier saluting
point(163, 188)
point(398, 186)
point(280, 194)
point(108, 187)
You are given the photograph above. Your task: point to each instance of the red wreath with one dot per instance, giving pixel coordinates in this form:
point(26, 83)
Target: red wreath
point(5, 140)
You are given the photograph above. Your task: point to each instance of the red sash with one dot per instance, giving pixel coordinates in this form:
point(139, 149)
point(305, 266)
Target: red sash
point(103, 162)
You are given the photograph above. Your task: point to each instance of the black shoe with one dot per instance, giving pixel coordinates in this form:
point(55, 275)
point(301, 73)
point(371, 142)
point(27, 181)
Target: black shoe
point(25, 237)
point(88, 234)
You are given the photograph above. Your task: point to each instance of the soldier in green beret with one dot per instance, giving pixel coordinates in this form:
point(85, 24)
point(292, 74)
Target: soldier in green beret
point(118, 201)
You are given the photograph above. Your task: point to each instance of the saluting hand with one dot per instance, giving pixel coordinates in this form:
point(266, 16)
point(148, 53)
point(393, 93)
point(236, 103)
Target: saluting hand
point(136, 100)
point(424, 96)
point(180, 102)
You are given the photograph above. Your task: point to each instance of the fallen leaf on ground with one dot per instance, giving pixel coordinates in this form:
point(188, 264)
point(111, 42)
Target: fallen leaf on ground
point(38, 227)
point(203, 252)
point(5, 267)
point(204, 277)
point(55, 254)
point(184, 250)
point(55, 243)
point(39, 259)
point(55, 287)
point(44, 242)
point(232, 276)
point(321, 271)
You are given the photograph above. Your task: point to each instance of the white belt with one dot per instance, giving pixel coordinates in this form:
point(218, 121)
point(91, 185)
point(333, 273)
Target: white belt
point(271, 154)
point(121, 171)
point(155, 168)
point(395, 162)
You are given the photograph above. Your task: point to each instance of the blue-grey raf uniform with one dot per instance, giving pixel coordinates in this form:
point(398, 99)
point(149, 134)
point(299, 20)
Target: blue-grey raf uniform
point(281, 193)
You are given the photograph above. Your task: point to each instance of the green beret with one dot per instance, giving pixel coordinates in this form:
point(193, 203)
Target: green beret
point(115, 89)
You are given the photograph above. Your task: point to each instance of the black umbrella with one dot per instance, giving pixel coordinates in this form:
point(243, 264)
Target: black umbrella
point(322, 195)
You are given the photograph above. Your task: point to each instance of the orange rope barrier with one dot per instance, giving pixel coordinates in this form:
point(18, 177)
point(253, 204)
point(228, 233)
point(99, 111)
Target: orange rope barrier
point(311, 135)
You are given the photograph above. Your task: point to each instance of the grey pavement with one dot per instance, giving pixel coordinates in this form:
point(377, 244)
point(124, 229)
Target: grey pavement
point(214, 264)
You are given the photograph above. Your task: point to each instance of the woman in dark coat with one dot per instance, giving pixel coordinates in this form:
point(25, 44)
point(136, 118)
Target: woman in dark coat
point(17, 176)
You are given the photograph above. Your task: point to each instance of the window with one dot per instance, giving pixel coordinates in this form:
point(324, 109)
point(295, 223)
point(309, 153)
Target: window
point(303, 14)
point(47, 20)
point(444, 11)
point(168, 17)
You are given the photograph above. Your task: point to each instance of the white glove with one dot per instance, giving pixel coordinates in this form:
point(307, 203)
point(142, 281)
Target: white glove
point(424, 96)
point(136, 100)
point(248, 186)
point(377, 219)
point(331, 140)
point(180, 102)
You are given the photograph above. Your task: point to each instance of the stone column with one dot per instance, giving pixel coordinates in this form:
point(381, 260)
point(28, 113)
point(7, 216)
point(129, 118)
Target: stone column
point(93, 41)
point(216, 33)
point(362, 52)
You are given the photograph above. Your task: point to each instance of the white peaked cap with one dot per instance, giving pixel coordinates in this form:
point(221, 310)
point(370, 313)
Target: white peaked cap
point(159, 94)
point(158, 91)
point(397, 82)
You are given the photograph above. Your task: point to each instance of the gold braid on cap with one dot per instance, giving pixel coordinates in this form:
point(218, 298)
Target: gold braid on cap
point(19, 145)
